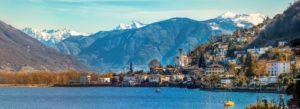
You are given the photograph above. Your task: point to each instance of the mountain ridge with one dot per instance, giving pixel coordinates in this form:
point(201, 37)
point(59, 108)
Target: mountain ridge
point(115, 50)
point(19, 51)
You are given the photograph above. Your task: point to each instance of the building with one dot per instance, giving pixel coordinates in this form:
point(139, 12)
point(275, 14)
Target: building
point(104, 80)
point(281, 43)
point(214, 69)
point(182, 60)
point(259, 51)
point(220, 52)
point(129, 80)
point(240, 54)
point(276, 68)
point(154, 78)
point(177, 77)
point(141, 78)
point(165, 78)
point(85, 79)
point(268, 80)
point(226, 81)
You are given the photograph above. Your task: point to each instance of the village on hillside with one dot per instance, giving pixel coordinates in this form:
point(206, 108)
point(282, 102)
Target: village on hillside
point(226, 62)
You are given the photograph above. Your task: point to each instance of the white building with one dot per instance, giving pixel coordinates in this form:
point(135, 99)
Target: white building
point(266, 80)
point(277, 68)
point(182, 59)
point(214, 69)
point(177, 77)
point(259, 51)
point(165, 78)
point(226, 81)
point(129, 79)
point(104, 80)
point(154, 78)
point(222, 50)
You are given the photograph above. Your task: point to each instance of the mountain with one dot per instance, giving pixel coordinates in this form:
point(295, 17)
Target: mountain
point(19, 51)
point(239, 19)
point(227, 19)
point(283, 27)
point(115, 50)
point(132, 25)
point(50, 36)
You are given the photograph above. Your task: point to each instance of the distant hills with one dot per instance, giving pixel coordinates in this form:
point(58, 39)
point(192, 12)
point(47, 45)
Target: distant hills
point(138, 43)
point(18, 52)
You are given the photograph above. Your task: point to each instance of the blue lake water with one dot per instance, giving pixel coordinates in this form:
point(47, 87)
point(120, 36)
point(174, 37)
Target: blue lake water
point(122, 98)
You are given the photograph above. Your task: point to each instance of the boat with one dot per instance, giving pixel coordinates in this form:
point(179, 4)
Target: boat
point(157, 90)
point(229, 103)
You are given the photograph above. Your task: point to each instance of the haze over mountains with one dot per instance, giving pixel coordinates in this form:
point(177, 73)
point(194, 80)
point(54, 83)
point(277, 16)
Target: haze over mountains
point(19, 51)
point(138, 43)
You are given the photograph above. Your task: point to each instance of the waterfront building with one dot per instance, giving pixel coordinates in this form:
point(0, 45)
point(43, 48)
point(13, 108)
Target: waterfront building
point(104, 80)
point(268, 80)
point(129, 80)
point(141, 78)
point(154, 78)
point(85, 79)
point(276, 68)
point(177, 77)
point(214, 69)
point(165, 78)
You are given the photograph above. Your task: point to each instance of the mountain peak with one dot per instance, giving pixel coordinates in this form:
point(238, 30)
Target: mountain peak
point(132, 25)
point(52, 35)
point(253, 19)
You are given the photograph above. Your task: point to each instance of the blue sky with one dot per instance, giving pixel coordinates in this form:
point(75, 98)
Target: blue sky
point(95, 15)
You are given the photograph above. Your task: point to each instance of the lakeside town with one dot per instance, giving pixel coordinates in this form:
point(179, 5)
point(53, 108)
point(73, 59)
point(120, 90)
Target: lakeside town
point(224, 64)
point(81, 54)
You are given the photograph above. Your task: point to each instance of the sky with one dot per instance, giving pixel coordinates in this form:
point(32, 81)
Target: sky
point(96, 15)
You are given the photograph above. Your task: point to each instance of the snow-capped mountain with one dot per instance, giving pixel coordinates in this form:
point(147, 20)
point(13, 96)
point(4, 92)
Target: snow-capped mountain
point(19, 51)
point(241, 19)
point(229, 21)
point(132, 25)
point(51, 36)
point(114, 50)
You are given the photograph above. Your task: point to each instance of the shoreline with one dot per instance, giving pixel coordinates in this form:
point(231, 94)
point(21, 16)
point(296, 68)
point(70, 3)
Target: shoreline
point(250, 90)
point(25, 85)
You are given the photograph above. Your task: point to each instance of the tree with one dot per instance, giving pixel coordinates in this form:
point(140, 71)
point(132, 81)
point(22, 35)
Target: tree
point(231, 68)
point(251, 65)
point(202, 63)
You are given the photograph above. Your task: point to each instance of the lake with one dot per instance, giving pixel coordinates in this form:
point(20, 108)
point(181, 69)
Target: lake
point(122, 98)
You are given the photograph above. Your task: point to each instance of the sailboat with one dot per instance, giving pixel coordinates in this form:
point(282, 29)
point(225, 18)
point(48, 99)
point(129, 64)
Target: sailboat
point(228, 102)
point(157, 90)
